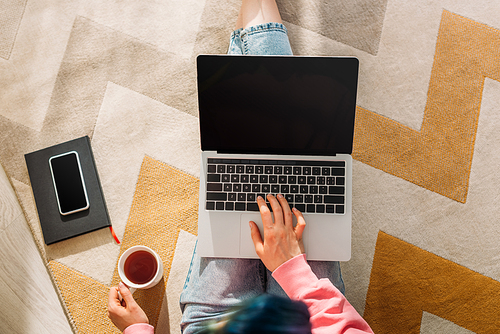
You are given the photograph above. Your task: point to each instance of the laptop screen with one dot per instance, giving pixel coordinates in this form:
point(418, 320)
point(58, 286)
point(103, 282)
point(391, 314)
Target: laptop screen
point(277, 104)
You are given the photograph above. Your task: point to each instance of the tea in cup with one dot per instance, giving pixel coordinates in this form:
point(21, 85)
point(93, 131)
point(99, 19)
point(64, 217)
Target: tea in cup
point(140, 267)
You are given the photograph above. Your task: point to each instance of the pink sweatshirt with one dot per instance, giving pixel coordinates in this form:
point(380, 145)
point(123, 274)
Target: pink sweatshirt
point(330, 311)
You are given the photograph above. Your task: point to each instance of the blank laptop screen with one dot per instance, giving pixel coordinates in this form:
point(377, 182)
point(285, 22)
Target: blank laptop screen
point(277, 105)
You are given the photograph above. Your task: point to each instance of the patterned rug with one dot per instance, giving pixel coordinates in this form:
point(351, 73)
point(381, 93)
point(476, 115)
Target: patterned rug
point(426, 148)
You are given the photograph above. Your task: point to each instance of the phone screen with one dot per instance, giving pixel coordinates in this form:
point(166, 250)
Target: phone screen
point(68, 182)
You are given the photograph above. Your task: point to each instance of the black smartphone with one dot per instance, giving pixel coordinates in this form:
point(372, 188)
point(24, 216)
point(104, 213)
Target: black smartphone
point(69, 183)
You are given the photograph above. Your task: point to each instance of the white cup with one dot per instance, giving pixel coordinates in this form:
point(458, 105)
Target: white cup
point(131, 285)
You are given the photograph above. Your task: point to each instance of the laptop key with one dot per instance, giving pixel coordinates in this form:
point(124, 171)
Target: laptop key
point(238, 206)
point(334, 199)
point(300, 207)
point(338, 171)
point(213, 177)
point(310, 208)
point(212, 168)
point(219, 206)
point(335, 190)
point(210, 206)
point(216, 196)
point(229, 206)
point(330, 208)
point(339, 209)
point(252, 207)
point(214, 186)
point(320, 208)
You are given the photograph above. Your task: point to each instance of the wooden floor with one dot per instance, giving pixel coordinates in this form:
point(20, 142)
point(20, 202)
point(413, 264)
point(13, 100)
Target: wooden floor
point(28, 301)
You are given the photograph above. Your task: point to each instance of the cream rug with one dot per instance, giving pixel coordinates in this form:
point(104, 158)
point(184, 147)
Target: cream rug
point(426, 180)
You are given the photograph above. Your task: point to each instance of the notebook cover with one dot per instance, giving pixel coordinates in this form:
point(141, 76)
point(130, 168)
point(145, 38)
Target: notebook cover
point(56, 227)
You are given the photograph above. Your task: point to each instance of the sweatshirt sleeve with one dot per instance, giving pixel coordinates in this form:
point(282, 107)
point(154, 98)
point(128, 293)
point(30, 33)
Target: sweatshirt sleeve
point(330, 311)
point(139, 329)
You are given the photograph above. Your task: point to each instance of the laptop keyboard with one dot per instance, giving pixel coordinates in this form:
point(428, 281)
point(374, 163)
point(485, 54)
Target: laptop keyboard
point(310, 186)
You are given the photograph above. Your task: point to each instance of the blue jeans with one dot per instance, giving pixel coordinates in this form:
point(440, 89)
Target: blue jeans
point(214, 285)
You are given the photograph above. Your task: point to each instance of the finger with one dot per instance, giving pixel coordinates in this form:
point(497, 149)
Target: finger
point(256, 238)
point(126, 294)
point(113, 297)
point(278, 213)
point(301, 223)
point(267, 219)
point(287, 213)
point(299, 229)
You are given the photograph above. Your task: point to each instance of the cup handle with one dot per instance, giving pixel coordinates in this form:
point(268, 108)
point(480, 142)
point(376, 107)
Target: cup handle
point(132, 290)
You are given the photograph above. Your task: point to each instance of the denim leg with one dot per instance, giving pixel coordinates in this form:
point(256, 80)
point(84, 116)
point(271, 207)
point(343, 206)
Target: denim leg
point(214, 285)
point(322, 269)
point(263, 39)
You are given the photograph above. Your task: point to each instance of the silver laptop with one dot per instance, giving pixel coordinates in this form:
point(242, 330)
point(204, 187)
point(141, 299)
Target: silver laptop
point(269, 125)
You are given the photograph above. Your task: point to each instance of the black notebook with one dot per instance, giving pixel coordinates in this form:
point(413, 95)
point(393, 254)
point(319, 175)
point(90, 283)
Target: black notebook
point(55, 226)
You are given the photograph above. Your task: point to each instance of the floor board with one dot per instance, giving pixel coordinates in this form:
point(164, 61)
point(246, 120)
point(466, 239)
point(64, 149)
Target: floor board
point(28, 300)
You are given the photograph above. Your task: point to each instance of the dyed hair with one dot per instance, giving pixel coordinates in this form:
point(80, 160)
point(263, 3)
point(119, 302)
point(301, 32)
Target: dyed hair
point(265, 314)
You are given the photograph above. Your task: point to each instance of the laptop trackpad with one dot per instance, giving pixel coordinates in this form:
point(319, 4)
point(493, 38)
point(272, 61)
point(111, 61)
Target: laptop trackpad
point(247, 249)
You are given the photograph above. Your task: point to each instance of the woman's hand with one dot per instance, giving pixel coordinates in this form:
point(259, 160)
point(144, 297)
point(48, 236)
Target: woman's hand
point(126, 312)
point(282, 241)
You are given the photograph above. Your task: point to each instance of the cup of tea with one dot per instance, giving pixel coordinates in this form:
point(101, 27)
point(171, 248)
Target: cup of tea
point(140, 267)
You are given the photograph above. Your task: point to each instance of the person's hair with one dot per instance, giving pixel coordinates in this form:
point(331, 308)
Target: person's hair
point(265, 314)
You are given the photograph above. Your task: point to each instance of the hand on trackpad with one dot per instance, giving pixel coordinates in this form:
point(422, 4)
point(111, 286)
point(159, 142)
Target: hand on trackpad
point(247, 249)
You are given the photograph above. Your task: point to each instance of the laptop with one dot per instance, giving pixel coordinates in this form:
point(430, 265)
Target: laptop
point(269, 125)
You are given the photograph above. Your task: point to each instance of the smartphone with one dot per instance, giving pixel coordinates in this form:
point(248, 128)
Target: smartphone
point(69, 183)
